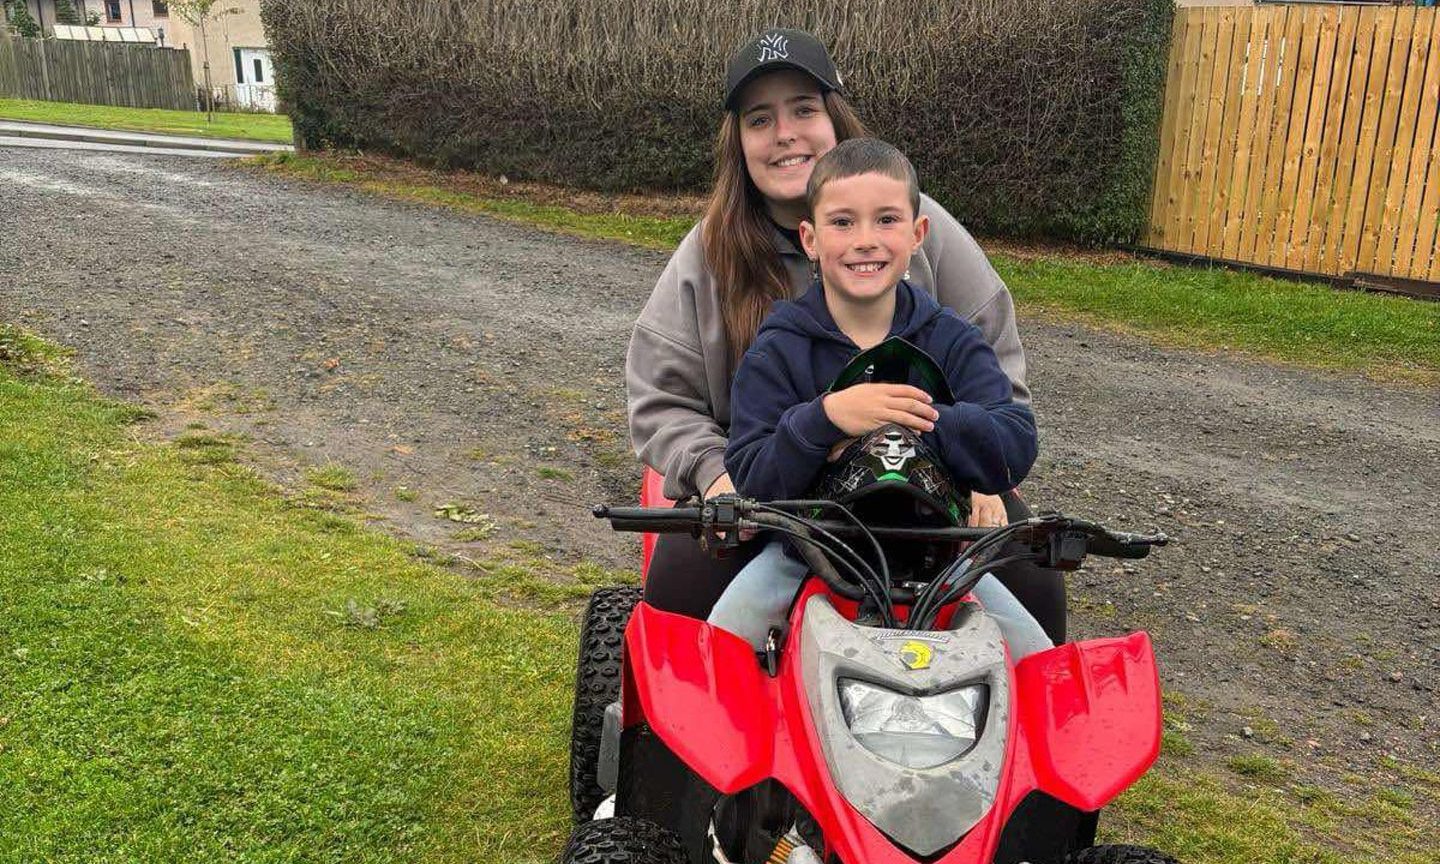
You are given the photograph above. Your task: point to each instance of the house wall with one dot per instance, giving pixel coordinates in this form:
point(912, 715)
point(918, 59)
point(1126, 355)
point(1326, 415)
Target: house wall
point(223, 34)
point(133, 13)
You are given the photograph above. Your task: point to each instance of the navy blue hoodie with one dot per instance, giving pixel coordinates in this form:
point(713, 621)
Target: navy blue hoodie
point(780, 435)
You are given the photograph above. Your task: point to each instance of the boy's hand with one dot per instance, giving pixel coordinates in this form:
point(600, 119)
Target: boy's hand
point(986, 511)
point(866, 407)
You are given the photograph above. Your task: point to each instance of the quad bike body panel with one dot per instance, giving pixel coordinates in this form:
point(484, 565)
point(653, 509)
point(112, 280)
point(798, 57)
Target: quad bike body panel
point(1082, 724)
point(1090, 713)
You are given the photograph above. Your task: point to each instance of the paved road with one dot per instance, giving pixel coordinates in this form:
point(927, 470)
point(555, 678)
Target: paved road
point(16, 133)
point(459, 357)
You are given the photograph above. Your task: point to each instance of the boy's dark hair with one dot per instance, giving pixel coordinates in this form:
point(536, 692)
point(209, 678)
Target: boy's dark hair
point(858, 156)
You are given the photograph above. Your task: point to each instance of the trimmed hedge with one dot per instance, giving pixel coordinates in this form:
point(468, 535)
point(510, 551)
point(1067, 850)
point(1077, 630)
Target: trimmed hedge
point(1023, 118)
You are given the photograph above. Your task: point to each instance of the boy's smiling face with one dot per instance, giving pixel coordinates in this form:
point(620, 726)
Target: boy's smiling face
point(863, 234)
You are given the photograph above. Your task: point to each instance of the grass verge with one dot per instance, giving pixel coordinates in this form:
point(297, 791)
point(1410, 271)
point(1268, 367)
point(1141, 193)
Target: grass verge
point(194, 668)
point(1392, 338)
point(274, 128)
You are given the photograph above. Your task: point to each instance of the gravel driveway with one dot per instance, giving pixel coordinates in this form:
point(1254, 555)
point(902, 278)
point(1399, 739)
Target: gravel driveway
point(478, 364)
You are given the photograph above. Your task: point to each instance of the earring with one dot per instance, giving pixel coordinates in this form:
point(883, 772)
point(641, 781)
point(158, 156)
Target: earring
point(906, 275)
point(814, 270)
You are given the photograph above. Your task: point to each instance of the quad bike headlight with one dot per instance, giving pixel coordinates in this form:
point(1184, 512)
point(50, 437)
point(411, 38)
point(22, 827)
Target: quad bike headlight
point(914, 731)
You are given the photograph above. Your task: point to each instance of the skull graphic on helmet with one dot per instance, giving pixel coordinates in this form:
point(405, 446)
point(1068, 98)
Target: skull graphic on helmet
point(893, 450)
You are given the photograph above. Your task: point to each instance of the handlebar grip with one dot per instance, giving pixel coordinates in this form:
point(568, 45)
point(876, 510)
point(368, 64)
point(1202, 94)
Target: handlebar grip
point(1128, 546)
point(662, 520)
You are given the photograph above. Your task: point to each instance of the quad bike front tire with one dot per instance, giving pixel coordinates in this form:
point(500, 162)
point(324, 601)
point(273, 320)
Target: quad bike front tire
point(597, 684)
point(1118, 855)
point(623, 840)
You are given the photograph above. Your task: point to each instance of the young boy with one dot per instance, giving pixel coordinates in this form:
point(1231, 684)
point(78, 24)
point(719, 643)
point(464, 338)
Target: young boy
point(863, 200)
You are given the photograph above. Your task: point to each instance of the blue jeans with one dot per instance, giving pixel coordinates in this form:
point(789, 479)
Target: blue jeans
point(759, 598)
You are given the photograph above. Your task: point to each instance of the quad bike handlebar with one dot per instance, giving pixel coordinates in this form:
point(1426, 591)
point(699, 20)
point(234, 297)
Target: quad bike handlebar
point(1051, 540)
point(726, 514)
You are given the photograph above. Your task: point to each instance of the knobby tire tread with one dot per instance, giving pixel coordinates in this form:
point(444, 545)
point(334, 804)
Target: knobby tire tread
point(623, 840)
point(597, 684)
point(1118, 855)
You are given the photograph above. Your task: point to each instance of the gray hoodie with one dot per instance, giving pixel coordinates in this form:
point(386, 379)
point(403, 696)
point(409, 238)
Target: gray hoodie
point(678, 368)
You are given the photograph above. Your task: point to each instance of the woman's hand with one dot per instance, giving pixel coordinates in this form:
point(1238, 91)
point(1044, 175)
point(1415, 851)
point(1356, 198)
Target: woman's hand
point(986, 511)
point(723, 485)
point(866, 407)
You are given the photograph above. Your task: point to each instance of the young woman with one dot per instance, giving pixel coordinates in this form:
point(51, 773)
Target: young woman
point(784, 109)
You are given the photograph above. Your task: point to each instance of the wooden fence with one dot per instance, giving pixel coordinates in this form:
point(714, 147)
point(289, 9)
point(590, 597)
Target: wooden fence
point(1303, 138)
point(96, 73)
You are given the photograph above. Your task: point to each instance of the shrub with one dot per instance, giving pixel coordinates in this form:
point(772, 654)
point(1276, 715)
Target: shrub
point(1023, 118)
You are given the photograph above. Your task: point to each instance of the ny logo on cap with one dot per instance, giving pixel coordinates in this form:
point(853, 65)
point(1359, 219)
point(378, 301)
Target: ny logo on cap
point(774, 47)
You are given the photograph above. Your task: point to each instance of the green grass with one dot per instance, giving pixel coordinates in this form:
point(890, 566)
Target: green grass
point(646, 232)
point(1219, 308)
point(257, 127)
point(194, 667)
point(1211, 309)
point(334, 477)
point(1196, 818)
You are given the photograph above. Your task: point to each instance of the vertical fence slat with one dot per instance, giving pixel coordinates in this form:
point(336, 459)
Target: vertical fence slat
point(1427, 240)
point(1184, 128)
point(1160, 190)
point(1211, 159)
point(1233, 100)
point(1337, 117)
point(1385, 139)
point(1357, 107)
point(1306, 47)
point(1264, 90)
point(1405, 134)
point(1354, 227)
point(1418, 188)
point(1199, 147)
point(1244, 92)
point(1263, 227)
point(1298, 232)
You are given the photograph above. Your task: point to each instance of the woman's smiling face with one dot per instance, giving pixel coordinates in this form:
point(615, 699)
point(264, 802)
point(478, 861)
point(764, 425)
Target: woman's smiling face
point(784, 128)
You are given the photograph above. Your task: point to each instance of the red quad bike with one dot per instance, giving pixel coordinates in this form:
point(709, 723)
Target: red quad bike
point(886, 725)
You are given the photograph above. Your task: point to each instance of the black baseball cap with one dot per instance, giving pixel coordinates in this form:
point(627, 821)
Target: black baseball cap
point(780, 49)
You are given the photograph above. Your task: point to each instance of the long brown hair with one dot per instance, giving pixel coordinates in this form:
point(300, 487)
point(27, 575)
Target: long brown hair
point(740, 250)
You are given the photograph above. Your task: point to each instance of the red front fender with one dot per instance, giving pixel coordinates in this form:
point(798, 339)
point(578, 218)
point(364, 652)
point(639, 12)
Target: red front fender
point(703, 694)
point(1090, 712)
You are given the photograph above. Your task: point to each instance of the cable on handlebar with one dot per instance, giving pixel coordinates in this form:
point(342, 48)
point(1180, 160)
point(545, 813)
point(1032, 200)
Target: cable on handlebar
point(822, 504)
point(873, 586)
point(926, 618)
point(865, 585)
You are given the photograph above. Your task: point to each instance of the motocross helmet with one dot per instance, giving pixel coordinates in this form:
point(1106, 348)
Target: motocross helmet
point(889, 477)
point(892, 472)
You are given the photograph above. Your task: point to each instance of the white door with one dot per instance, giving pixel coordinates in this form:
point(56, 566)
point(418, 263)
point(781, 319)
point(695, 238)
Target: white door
point(255, 81)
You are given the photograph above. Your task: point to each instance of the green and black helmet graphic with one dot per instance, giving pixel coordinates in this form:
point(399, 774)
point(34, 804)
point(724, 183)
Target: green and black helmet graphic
point(891, 468)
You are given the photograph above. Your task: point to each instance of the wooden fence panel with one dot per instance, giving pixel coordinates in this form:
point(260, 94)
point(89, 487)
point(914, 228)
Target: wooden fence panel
point(1418, 211)
point(1185, 96)
point(1263, 93)
point(1229, 137)
point(1301, 57)
point(1304, 138)
point(1406, 133)
point(1337, 116)
point(1290, 249)
point(95, 73)
point(1380, 163)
